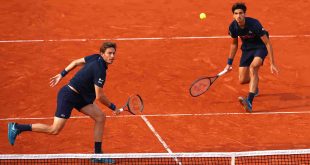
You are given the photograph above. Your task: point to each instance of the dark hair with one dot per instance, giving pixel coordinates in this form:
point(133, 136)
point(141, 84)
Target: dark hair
point(238, 5)
point(107, 45)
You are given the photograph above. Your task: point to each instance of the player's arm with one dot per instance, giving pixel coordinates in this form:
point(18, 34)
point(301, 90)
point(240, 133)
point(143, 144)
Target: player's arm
point(100, 96)
point(55, 80)
point(267, 42)
point(232, 52)
point(75, 63)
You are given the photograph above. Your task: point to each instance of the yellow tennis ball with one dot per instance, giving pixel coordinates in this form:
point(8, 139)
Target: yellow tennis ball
point(202, 16)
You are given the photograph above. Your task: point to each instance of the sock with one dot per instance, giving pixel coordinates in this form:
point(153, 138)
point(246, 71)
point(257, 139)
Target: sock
point(251, 97)
point(23, 127)
point(98, 147)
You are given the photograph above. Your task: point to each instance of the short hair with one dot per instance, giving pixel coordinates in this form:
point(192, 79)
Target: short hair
point(238, 5)
point(107, 45)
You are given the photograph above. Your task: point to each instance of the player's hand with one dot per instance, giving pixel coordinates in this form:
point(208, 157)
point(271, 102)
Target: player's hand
point(274, 69)
point(55, 80)
point(117, 111)
point(228, 67)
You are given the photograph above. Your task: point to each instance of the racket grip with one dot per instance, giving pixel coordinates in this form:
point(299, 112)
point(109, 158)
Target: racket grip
point(223, 72)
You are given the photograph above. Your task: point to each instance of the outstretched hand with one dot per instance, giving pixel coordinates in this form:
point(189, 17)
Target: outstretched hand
point(274, 69)
point(55, 80)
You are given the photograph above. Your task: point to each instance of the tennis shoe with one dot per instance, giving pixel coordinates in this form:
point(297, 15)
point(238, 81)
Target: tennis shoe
point(12, 133)
point(103, 160)
point(245, 103)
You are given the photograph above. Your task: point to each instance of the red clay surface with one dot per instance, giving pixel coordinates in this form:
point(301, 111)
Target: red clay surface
point(159, 70)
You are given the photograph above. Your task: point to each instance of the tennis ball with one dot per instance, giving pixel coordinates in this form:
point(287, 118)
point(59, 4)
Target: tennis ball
point(202, 16)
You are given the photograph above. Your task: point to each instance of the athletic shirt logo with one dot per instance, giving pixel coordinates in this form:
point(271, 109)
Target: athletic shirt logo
point(100, 81)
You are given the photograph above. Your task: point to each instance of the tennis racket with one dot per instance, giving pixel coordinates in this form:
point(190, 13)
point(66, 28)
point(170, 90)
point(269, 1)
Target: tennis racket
point(202, 84)
point(134, 105)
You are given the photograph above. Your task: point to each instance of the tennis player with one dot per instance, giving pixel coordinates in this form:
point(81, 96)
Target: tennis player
point(80, 93)
point(255, 47)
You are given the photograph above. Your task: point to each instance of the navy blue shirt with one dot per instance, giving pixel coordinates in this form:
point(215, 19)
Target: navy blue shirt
point(93, 73)
point(250, 34)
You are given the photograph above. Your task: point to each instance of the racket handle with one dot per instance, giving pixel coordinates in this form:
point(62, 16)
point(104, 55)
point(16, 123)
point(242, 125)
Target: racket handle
point(223, 72)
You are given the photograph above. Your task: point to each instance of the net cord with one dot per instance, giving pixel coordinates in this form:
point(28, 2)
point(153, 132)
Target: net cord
point(157, 155)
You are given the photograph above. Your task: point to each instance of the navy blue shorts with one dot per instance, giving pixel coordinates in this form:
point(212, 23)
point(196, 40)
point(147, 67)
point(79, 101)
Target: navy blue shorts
point(248, 56)
point(67, 99)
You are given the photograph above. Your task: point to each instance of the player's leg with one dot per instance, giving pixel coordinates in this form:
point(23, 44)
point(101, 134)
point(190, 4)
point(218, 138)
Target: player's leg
point(253, 71)
point(63, 112)
point(253, 86)
point(244, 75)
point(15, 129)
point(259, 56)
point(93, 111)
point(256, 59)
point(99, 117)
point(53, 129)
point(245, 78)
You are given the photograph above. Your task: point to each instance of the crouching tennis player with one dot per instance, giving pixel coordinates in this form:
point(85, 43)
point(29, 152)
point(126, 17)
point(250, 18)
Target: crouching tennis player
point(80, 93)
point(255, 47)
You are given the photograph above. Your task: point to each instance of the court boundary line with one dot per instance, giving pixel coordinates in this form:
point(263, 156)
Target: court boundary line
point(159, 138)
point(167, 115)
point(139, 38)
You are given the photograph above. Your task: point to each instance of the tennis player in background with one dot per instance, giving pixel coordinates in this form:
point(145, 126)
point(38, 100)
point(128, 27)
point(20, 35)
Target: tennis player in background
point(80, 93)
point(255, 47)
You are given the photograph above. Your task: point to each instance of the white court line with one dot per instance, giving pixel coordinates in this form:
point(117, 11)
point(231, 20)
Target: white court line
point(165, 145)
point(141, 38)
point(156, 134)
point(8, 41)
point(168, 115)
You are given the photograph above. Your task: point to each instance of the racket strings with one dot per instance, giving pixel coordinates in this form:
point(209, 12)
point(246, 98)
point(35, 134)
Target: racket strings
point(135, 104)
point(200, 86)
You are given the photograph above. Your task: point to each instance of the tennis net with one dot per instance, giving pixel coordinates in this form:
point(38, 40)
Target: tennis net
point(272, 157)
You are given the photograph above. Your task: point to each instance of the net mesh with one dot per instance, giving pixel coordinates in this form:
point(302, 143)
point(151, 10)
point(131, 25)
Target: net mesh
point(276, 157)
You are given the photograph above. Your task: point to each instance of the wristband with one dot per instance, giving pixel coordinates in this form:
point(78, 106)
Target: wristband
point(112, 107)
point(230, 61)
point(64, 73)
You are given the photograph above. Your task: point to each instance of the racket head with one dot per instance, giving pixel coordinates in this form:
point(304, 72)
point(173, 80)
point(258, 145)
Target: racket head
point(200, 86)
point(135, 104)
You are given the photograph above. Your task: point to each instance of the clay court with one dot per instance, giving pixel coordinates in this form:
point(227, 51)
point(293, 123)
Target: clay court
point(162, 47)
